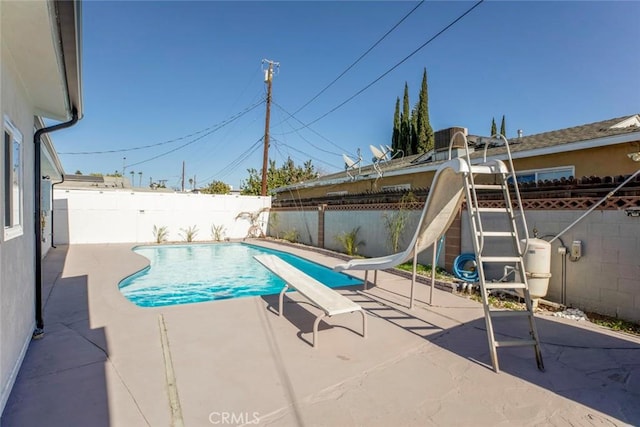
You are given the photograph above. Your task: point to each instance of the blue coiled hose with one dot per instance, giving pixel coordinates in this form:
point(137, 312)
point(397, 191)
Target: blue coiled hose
point(459, 264)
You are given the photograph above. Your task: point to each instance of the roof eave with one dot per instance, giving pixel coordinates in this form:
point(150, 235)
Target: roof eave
point(69, 21)
point(560, 148)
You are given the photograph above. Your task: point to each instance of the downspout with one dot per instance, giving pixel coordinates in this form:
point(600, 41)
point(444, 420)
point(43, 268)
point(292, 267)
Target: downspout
point(39, 331)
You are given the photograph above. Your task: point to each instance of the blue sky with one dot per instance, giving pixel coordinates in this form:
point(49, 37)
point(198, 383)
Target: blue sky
point(155, 72)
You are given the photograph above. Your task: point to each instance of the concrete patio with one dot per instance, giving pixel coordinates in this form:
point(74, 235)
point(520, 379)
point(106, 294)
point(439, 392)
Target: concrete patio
point(107, 362)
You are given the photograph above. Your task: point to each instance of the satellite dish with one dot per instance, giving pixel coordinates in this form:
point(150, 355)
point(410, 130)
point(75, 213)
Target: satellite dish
point(350, 164)
point(377, 154)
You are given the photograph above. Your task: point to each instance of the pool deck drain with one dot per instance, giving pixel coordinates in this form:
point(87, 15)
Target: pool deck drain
point(101, 363)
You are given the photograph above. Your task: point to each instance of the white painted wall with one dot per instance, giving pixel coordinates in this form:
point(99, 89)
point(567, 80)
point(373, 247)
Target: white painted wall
point(17, 255)
point(45, 220)
point(119, 216)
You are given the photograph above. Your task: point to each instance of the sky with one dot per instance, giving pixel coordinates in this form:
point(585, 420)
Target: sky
point(186, 79)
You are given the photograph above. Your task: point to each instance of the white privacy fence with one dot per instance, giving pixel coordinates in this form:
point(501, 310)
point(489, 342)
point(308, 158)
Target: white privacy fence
point(93, 216)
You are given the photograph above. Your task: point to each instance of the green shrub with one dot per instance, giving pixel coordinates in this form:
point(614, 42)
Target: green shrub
point(188, 234)
point(160, 234)
point(217, 232)
point(349, 241)
point(292, 236)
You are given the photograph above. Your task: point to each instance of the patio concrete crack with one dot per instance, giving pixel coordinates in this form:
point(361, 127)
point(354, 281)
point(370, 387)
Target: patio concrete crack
point(172, 386)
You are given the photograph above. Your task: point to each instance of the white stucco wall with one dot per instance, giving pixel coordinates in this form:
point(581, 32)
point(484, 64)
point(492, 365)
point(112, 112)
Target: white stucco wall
point(115, 216)
point(17, 255)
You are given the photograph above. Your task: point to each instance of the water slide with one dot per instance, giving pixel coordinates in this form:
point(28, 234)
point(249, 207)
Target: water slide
point(445, 196)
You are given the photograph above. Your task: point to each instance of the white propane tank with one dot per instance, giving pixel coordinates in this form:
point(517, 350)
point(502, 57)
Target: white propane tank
point(537, 263)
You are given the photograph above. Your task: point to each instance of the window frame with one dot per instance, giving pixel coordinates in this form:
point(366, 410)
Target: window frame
point(13, 174)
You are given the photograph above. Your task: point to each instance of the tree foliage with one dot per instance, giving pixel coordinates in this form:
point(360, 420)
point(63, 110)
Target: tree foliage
point(503, 127)
point(395, 137)
point(405, 123)
point(412, 131)
point(216, 187)
point(287, 174)
point(494, 128)
point(424, 131)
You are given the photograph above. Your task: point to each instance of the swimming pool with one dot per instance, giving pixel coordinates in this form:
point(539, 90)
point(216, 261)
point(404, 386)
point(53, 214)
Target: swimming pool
point(184, 274)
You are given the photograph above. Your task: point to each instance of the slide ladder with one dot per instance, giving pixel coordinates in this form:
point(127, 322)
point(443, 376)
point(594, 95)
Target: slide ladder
point(502, 180)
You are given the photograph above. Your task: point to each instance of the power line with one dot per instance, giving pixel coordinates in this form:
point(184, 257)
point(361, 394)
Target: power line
point(215, 127)
point(220, 126)
point(306, 140)
point(439, 33)
point(359, 58)
point(305, 154)
point(236, 162)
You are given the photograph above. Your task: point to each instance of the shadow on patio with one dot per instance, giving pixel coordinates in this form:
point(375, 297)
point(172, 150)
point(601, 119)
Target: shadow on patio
point(63, 378)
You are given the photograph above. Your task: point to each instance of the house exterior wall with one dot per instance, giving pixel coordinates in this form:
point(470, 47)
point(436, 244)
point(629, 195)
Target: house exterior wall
point(94, 216)
point(598, 161)
point(415, 180)
point(17, 291)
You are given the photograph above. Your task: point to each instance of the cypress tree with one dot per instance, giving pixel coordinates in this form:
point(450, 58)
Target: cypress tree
point(395, 136)
point(503, 128)
point(425, 138)
point(494, 128)
point(405, 120)
point(414, 130)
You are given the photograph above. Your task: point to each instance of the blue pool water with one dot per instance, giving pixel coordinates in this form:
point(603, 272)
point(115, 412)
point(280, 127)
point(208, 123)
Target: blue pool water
point(184, 274)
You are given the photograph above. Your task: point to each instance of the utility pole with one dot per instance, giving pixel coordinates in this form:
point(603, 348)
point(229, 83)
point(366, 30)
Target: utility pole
point(183, 176)
point(268, 77)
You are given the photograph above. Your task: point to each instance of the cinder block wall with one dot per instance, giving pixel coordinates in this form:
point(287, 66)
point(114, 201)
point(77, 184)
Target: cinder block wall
point(606, 279)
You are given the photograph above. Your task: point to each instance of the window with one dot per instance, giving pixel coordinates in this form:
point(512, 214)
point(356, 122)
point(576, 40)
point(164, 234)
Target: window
point(397, 187)
point(13, 180)
point(544, 174)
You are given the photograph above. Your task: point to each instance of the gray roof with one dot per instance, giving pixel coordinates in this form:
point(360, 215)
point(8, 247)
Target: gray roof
point(580, 133)
point(562, 140)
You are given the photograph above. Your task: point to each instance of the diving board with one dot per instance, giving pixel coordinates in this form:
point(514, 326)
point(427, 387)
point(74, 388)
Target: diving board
point(321, 296)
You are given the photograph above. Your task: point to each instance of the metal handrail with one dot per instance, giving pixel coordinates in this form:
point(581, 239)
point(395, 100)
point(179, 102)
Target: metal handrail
point(512, 170)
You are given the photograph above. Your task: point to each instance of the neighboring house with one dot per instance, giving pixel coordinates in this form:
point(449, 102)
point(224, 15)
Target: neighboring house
point(40, 78)
point(570, 181)
point(103, 182)
point(601, 149)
